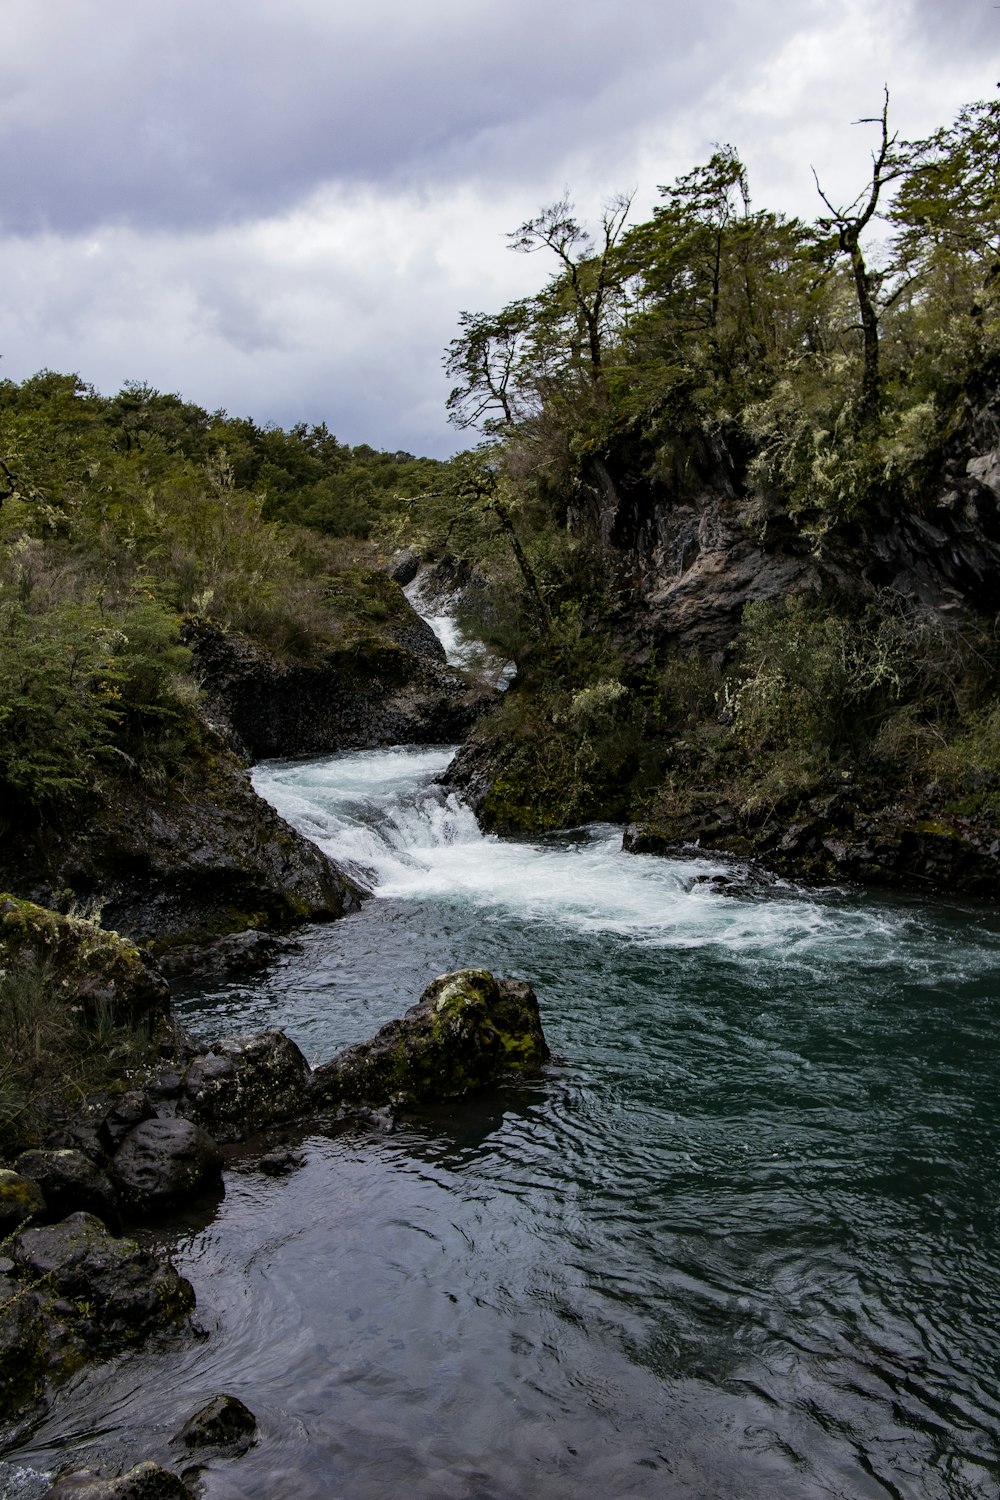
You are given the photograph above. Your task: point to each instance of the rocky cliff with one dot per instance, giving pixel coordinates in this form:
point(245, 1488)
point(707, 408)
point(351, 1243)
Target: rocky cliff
point(690, 549)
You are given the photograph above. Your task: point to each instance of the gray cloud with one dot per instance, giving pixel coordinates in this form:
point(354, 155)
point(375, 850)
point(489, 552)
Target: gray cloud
point(186, 114)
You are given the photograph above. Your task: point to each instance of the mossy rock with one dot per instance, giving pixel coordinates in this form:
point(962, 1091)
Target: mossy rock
point(468, 1031)
point(96, 971)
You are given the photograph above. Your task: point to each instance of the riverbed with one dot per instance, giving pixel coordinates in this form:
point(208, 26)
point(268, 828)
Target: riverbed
point(740, 1240)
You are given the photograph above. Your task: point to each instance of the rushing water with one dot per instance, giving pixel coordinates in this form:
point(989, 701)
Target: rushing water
point(741, 1240)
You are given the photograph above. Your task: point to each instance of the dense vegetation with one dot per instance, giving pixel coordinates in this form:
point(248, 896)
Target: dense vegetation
point(824, 368)
point(120, 516)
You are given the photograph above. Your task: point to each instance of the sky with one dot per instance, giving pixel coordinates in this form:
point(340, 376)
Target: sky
point(280, 207)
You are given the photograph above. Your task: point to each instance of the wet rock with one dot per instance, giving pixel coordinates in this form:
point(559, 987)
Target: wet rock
point(238, 953)
point(129, 1110)
point(119, 1292)
point(161, 1162)
point(467, 1031)
point(224, 1425)
point(146, 1481)
point(246, 1083)
point(71, 1181)
point(24, 1352)
point(280, 1161)
point(21, 1200)
point(403, 566)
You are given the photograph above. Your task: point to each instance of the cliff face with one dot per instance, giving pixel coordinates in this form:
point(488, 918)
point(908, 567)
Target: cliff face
point(183, 865)
point(382, 684)
point(689, 551)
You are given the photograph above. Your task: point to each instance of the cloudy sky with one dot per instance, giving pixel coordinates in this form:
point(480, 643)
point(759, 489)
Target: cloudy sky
point(280, 206)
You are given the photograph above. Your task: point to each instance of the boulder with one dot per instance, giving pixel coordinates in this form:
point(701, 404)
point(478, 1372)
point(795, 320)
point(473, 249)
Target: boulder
point(94, 971)
point(246, 1083)
point(146, 1481)
point(24, 1350)
point(128, 1111)
point(21, 1200)
point(113, 1290)
point(467, 1031)
point(223, 1425)
point(161, 1162)
point(70, 1181)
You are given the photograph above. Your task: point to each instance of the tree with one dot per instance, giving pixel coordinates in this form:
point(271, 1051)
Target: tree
point(849, 224)
point(589, 277)
point(488, 359)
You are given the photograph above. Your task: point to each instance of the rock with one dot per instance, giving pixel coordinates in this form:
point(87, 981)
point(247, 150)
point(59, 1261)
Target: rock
point(280, 1161)
point(161, 1162)
point(95, 971)
point(224, 1425)
point(119, 1291)
point(146, 1481)
point(21, 1200)
point(71, 1181)
point(246, 1083)
point(24, 1352)
point(129, 1110)
point(384, 682)
point(179, 869)
point(403, 566)
point(467, 1031)
point(238, 953)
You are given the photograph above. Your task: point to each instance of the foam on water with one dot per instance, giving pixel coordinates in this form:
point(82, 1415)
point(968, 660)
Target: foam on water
point(379, 813)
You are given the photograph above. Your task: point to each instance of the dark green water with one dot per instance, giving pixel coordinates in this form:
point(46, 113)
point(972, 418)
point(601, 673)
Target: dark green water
point(742, 1240)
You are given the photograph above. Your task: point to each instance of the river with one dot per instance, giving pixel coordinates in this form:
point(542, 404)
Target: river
point(741, 1240)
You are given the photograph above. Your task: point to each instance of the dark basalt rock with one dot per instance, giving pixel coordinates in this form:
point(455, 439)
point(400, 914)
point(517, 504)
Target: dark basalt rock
point(372, 688)
point(224, 1425)
point(467, 1031)
point(245, 1084)
point(22, 1200)
point(114, 1291)
point(70, 1181)
point(161, 1162)
point(180, 868)
point(147, 1481)
point(128, 1111)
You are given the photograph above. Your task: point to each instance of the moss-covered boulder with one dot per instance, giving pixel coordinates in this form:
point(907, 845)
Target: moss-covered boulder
point(22, 1201)
point(91, 969)
point(467, 1031)
point(246, 1083)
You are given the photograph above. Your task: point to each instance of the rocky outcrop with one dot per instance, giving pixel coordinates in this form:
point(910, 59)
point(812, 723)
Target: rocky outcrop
point(187, 865)
point(467, 1031)
point(690, 548)
point(841, 835)
point(381, 681)
point(92, 970)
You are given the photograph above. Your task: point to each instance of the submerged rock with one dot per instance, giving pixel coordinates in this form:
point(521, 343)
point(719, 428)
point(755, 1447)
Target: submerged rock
point(146, 1481)
point(467, 1031)
point(223, 1425)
